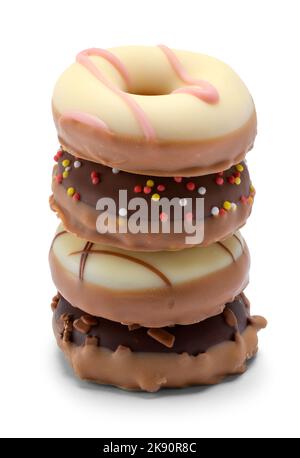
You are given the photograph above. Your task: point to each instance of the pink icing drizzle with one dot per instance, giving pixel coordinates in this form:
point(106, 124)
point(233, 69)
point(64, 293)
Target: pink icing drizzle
point(85, 118)
point(204, 90)
point(141, 117)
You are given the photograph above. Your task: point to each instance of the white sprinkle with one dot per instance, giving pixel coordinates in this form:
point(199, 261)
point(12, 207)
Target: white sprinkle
point(67, 169)
point(115, 170)
point(182, 202)
point(233, 206)
point(77, 164)
point(215, 211)
point(202, 190)
point(122, 212)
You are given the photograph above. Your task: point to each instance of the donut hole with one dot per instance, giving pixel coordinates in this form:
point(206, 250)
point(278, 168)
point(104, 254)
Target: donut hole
point(149, 90)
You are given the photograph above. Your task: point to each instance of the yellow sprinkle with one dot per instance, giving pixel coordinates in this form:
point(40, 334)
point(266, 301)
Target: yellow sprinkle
point(150, 183)
point(70, 191)
point(239, 167)
point(227, 205)
point(65, 163)
point(237, 180)
point(250, 200)
point(252, 188)
point(155, 197)
point(65, 174)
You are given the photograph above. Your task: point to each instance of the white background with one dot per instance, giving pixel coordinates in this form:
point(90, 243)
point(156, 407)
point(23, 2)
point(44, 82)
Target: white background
point(39, 395)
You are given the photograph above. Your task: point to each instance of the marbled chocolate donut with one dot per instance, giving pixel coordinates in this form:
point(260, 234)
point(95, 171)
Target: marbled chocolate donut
point(78, 184)
point(152, 289)
point(154, 111)
point(136, 357)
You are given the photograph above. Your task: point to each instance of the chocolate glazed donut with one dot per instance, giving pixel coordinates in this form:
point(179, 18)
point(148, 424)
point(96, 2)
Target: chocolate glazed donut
point(79, 184)
point(151, 358)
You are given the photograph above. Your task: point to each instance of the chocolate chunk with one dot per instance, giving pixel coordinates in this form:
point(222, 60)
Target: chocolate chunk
point(81, 326)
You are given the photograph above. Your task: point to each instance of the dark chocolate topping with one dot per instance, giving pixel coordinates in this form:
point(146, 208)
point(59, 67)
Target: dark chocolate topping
point(193, 338)
point(108, 184)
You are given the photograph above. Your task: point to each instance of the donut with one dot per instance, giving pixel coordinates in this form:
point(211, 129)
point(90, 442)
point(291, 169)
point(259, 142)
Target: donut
point(155, 111)
point(79, 214)
point(152, 289)
point(140, 358)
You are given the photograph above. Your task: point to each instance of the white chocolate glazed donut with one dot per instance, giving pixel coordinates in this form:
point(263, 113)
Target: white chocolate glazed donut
point(154, 110)
point(152, 289)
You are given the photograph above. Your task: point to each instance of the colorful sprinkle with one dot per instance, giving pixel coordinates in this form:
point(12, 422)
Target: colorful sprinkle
point(122, 212)
point(215, 211)
point(231, 179)
point(115, 171)
point(150, 183)
point(56, 158)
point(227, 205)
point(178, 179)
point(59, 153)
point(182, 202)
point(77, 164)
point(222, 212)
point(67, 169)
point(76, 196)
point(237, 174)
point(237, 180)
point(65, 162)
point(233, 206)
point(202, 190)
point(59, 178)
point(70, 192)
point(94, 174)
point(95, 180)
point(147, 189)
point(155, 197)
point(190, 186)
point(243, 199)
point(250, 200)
point(239, 167)
point(163, 217)
point(161, 187)
point(219, 180)
point(252, 188)
point(137, 188)
point(65, 174)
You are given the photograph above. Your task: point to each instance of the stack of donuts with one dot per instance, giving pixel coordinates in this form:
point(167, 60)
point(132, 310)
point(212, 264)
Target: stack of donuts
point(150, 309)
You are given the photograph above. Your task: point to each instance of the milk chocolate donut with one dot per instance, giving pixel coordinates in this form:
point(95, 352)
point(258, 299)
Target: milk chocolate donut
point(78, 184)
point(154, 111)
point(151, 289)
point(136, 357)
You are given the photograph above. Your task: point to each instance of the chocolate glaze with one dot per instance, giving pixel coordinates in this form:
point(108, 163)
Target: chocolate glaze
point(110, 184)
point(192, 339)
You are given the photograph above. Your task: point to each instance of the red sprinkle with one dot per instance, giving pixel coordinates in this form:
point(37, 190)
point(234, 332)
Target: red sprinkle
point(59, 153)
point(189, 216)
point(178, 179)
point(219, 180)
point(190, 186)
point(137, 188)
point(161, 187)
point(243, 199)
point(222, 212)
point(231, 179)
point(95, 180)
point(76, 196)
point(147, 189)
point(237, 174)
point(163, 217)
point(55, 158)
point(59, 178)
point(94, 174)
